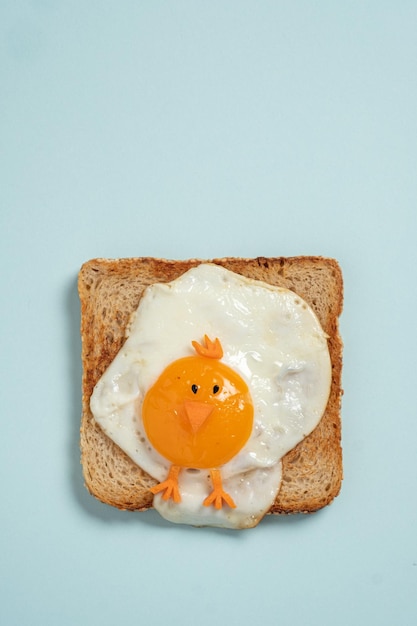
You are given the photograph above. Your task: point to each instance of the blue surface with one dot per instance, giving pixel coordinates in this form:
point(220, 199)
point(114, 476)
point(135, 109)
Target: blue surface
point(181, 129)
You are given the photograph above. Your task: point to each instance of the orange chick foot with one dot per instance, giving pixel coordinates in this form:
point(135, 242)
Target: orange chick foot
point(218, 495)
point(169, 486)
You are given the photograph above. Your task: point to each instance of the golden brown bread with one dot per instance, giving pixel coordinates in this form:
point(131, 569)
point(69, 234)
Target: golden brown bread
point(110, 290)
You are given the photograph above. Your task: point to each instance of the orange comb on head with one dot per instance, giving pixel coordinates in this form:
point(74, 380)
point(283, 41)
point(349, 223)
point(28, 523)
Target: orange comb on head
point(212, 349)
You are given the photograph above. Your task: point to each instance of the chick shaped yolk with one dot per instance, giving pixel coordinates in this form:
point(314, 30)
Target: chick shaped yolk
point(199, 413)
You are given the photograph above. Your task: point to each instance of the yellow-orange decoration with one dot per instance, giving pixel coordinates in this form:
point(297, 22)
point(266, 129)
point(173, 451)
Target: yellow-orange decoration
point(198, 414)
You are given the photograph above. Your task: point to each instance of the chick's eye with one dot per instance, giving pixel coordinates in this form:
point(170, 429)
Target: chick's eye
point(194, 388)
point(216, 388)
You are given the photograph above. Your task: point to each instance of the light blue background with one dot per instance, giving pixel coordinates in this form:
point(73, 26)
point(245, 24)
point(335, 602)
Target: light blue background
point(181, 129)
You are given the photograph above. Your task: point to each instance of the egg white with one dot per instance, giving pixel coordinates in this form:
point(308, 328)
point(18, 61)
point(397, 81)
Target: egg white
point(269, 335)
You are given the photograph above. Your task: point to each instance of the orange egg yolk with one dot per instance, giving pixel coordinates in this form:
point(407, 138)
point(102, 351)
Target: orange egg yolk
point(199, 413)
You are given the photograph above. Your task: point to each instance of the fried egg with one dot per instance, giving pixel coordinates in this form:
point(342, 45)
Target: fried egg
point(270, 337)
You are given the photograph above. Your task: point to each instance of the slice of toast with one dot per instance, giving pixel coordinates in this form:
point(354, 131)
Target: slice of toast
point(110, 290)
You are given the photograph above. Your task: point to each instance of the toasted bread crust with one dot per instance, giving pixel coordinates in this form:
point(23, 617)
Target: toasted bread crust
point(110, 290)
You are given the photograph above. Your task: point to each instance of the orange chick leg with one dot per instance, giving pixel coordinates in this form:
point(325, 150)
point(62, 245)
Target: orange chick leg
point(218, 494)
point(170, 485)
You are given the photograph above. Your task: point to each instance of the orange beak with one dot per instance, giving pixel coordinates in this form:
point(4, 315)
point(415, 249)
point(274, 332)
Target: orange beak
point(197, 413)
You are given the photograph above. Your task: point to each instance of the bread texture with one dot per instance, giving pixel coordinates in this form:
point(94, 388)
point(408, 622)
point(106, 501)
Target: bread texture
point(110, 291)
